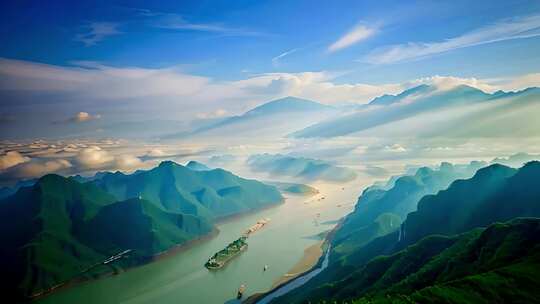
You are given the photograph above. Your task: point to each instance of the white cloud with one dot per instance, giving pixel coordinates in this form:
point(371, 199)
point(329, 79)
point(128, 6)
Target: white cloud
point(34, 169)
point(177, 22)
point(96, 32)
point(156, 153)
point(174, 92)
point(515, 28)
point(93, 158)
point(12, 158)
point(213, 114)
point(128, 162)
point(99, 81)
point(84, 116)
point(443, 83)
point(395, 148)
point(81, 117)
point(96, 158)
point(276, 60)
point(355, 35)
point(518, 83)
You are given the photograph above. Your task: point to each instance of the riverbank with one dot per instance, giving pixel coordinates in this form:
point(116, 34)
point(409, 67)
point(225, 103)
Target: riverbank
point(116, 270)
point(312, 259)
point(312, 254)
point(77, 280)
point(180, 278)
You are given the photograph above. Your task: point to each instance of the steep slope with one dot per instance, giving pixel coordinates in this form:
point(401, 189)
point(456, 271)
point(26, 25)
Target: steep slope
point(52, 231)
point(139, 225)
point(399, 199)
point(175, 188)
point(38, 249)
point(495, 193)
point(60, 229)
point(463, 206)
point(492, 265)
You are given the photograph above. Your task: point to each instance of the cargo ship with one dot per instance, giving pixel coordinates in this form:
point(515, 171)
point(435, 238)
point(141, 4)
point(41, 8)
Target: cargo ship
point(260, 223)
point(220, 258)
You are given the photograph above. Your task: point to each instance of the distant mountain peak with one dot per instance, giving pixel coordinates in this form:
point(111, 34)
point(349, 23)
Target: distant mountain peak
point(287, 104)
point(388, 99)
point(197, 166)
point(167, 163)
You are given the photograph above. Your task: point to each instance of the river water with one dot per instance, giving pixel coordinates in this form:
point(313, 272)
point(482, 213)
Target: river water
point(182, 278)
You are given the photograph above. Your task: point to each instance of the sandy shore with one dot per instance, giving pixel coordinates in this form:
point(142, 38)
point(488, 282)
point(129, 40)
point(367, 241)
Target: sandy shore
point(311, 257)
point(312, 254)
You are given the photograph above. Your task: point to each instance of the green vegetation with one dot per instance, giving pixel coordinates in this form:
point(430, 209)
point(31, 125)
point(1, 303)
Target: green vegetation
point(442, 253)
point(60, 229)
point(175, 188)
point(294, 188)
point(496, 265)
point(220, 258)
point(395, 202)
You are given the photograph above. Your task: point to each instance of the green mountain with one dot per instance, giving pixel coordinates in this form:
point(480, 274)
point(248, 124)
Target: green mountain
point(175, 188)
point(494, 194)
point(493, 265)
point(294, 188)
point(197, 166)
point(395, 200)
point(60, 229)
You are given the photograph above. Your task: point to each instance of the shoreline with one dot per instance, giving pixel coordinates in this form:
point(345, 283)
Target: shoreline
point(311, 256)
point(284, 280)
point(77, 281)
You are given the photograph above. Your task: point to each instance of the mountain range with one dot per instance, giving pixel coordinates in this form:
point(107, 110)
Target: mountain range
point(58, 229)
point(442, 249)
point(300, 167)
point(381, 210)
point(426, 110)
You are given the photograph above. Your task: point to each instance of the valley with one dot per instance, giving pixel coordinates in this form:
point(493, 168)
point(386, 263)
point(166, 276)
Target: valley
point(182, 277)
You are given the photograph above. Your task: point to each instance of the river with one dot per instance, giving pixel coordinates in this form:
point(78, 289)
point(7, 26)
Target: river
point(182, 278)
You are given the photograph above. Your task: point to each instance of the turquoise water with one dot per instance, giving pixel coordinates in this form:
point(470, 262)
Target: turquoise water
point(182, 278)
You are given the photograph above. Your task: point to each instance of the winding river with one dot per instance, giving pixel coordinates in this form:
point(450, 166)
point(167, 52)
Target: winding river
point(181, 278)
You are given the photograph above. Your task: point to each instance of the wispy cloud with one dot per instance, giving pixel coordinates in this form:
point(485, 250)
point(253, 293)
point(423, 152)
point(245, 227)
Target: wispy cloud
point(96, 32)
point(353, 36)
point(515, 28)
point(275, 60)
point(178, 22)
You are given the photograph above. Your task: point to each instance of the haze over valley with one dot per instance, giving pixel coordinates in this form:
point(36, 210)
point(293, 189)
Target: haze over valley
point(270, 152)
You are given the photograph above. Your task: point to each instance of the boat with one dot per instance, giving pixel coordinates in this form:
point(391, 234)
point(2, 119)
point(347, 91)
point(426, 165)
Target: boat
point(220, 258)
point(260, 223)
point(241, 291)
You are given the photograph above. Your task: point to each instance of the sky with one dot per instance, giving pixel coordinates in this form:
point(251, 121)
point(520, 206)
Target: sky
point(87, 86)
point(68, 64)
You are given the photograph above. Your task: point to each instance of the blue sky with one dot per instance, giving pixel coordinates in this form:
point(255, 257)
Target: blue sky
point(223, 39)
point(201, 58)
